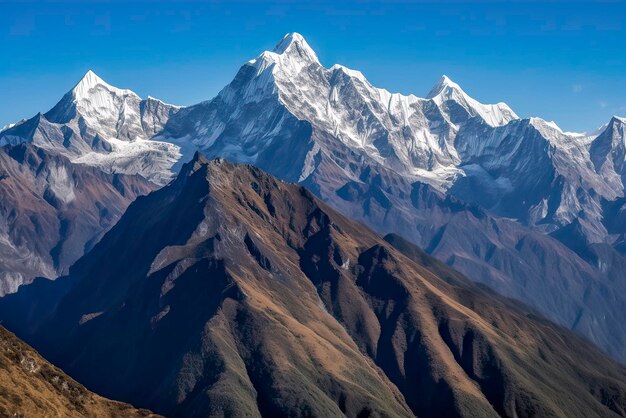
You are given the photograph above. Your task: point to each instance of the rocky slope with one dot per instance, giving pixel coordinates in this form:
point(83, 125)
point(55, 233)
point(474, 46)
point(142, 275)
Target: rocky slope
point(32, 387)
point(237, 294)
point(53, 211)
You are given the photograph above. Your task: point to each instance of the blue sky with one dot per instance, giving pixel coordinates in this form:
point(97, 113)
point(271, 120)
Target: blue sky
point(558, 60)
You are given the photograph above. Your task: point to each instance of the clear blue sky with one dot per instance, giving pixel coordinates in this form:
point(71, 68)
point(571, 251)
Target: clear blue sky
point(561, 61)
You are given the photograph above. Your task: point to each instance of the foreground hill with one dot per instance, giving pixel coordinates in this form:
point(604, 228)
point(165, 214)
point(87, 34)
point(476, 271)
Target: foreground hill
point(229, 292)
point(32, 387)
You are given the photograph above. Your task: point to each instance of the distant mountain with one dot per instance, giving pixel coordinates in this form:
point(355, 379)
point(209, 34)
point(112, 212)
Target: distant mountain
point(234, 293)
point(285, 102)
point(53, 211)
point(608, 153)
point(32, 387)
point(100, 125)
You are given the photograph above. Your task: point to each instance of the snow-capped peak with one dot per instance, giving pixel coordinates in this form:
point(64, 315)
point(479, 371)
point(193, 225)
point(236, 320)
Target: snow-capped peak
point(444, 86)
point(494, 114)
point(12, 125)
point(619, 119)
point(102, 120)
point(352, 73)
point(541, 125)
point(294, 43)
point(90, 81)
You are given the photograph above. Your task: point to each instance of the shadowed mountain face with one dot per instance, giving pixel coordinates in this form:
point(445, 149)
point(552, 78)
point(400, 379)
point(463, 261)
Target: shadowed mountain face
point(53, 211)
point(32, 387)
point(231, 293)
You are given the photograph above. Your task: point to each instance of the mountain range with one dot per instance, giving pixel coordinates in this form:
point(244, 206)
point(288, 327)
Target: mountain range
point(536, 213)
point(237, 294)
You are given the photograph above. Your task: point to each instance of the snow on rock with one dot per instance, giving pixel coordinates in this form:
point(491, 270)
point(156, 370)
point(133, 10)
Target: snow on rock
point(11, 125)
point(294, 43)
point(61, 184)
point(286, 112)
point(151, 159)
point(494, 114)
point(104, 126)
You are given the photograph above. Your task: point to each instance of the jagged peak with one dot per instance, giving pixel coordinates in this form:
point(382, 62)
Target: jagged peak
point(352, 73)
point(444, 85)
point(90, 81)
point(192, 166)
point(494, 114)
point(91, 78)
point(617, 128)
point(545, 127)
point(287, 41)
point(616, 122)
point(294, 44)
point(198, 157)
point(618, 119)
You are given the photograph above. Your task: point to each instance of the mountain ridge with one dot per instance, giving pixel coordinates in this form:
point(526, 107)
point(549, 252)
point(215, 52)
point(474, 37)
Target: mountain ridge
point(526, 169)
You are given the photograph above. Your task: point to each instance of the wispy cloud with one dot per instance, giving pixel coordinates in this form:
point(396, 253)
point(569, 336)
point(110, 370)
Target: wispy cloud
point(603, 103)
point(577, 88)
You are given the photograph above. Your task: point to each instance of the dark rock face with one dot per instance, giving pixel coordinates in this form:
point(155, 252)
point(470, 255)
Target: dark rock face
point(234, 293)
point(53, 211)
